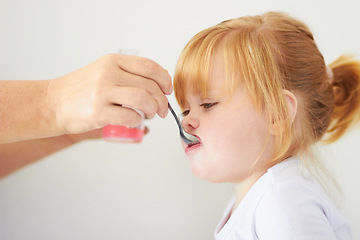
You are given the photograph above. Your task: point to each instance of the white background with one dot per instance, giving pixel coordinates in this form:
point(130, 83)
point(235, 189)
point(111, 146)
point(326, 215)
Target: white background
point(100, 190)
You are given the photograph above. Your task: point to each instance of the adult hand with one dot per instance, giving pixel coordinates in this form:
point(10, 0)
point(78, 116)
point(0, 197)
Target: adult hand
point(95, 95)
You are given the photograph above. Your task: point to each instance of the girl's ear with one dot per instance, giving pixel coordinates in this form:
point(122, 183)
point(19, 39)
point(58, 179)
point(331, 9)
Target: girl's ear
point(292, 104)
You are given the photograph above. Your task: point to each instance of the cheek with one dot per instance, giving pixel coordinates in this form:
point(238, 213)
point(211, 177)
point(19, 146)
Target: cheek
point(238, 137)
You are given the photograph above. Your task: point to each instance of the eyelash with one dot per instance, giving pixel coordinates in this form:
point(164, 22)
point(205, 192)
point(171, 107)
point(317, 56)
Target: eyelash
point(206, 106)
point(185, 113)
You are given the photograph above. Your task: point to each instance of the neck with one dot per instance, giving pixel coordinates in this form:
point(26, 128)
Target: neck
point(243, 187)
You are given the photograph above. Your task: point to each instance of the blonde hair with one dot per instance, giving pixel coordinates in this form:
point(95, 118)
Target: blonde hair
point(267, 54)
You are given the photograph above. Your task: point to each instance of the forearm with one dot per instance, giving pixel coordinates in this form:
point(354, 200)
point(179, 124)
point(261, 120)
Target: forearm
point(25, 112)
point(14, 156)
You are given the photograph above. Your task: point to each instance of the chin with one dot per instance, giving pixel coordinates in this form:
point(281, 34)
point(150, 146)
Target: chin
point(199, 172)
point(205, 175)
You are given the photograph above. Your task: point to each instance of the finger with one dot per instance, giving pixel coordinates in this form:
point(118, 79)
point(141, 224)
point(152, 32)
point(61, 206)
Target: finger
point(136, 98)
point(118, 115)
point(148, 69)
point(130, 80)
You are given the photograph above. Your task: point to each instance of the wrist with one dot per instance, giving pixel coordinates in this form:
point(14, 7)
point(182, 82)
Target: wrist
point(52, 105)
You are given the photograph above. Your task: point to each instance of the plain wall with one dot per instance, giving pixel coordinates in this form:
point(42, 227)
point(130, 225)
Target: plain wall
point(99, 190)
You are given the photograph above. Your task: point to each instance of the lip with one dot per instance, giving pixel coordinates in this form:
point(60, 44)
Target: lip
point(192, 146)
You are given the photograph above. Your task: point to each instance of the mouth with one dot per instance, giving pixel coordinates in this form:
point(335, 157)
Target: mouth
point(193, 145)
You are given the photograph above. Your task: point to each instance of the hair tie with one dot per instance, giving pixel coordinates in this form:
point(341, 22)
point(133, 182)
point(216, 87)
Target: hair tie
point(330, 74)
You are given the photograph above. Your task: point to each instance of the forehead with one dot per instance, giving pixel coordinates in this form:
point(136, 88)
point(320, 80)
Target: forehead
point(214, 90)
point(212, 76)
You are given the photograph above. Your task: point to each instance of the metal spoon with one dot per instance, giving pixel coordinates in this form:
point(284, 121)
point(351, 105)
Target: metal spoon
point(186, 137)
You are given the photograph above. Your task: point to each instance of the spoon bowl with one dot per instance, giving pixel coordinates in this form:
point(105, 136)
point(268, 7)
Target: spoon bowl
point(185, 137)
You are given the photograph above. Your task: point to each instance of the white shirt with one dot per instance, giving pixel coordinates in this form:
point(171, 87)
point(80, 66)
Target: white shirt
point(285, 203)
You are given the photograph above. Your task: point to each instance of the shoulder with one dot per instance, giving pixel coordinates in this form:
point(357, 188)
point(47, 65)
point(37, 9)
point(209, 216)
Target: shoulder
point(294, 206)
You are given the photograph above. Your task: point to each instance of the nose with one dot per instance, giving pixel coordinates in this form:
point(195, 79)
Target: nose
point(190, 123)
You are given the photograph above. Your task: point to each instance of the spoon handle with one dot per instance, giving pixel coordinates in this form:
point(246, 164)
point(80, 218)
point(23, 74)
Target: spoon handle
point(181, 131)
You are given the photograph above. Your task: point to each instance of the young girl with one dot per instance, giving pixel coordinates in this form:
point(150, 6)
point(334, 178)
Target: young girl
point(257, 94)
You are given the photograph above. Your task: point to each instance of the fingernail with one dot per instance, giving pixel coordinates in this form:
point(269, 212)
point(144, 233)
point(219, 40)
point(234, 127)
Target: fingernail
point(166, 113)
point(171, 89)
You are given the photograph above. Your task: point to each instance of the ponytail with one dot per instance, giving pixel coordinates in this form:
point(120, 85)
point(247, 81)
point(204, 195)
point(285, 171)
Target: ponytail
point(346, 88)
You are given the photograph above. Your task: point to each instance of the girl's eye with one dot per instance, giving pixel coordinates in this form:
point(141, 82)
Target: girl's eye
point(185, 113)
point(208, 105)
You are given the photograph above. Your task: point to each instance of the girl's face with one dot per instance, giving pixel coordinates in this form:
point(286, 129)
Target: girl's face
point(231, 131)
